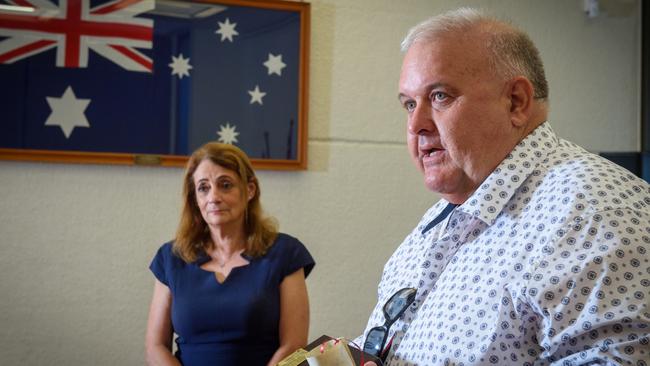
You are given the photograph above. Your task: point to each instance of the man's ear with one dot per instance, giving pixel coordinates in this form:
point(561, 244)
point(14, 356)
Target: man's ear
point(521, 94)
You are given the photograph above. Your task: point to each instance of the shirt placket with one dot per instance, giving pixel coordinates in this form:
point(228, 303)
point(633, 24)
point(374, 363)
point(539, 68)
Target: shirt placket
point(446, 238)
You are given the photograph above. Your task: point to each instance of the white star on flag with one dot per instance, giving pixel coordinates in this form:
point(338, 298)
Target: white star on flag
point(67, 112)
point(274, 64)
point(256, 95)
point(227, 30)
point(180, 66)
point(227, 134)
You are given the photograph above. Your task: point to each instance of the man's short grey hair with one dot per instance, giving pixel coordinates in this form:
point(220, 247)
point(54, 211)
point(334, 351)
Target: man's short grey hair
point(512, 52)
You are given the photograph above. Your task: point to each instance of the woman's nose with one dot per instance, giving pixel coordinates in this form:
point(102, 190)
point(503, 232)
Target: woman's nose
point(214, 195)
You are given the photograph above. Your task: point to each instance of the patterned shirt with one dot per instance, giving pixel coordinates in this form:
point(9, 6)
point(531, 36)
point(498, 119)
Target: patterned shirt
point(546, 263)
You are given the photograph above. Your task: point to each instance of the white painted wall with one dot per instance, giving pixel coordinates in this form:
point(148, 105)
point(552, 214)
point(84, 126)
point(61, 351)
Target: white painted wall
point(76, 240)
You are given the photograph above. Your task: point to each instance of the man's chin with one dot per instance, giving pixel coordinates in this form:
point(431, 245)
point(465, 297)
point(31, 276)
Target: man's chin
point(433, 185)
point(438, 184)
point(434, 179)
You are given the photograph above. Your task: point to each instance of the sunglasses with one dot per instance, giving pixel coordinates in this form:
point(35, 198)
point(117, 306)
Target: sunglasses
point(393, 309)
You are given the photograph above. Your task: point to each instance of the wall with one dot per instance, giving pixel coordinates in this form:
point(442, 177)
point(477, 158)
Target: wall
point(76, 240)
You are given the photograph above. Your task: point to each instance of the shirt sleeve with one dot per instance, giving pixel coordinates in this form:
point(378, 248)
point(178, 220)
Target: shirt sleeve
point(591, 289)
point(159, 265)
point(295, 256)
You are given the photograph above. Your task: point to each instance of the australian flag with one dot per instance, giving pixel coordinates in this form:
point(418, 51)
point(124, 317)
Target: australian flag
point(145, 77)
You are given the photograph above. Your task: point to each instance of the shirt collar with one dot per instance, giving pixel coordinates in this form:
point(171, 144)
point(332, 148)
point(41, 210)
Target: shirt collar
point(487, 202)
point(203, 258)
point(441, 216)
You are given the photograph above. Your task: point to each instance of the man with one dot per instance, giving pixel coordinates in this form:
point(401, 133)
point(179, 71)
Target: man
point(537, 251)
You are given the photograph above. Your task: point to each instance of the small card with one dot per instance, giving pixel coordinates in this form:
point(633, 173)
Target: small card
point(294, 359)
point(299, 357)
point(334, 352)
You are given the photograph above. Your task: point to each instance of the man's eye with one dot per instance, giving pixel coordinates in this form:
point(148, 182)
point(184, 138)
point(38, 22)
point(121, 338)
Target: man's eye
point(409, 105)
point(439, 96)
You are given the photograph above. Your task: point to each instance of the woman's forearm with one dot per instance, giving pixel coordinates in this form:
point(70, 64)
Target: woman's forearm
point(160, 355)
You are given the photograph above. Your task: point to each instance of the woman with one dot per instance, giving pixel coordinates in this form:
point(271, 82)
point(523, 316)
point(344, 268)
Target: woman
point(230, 286)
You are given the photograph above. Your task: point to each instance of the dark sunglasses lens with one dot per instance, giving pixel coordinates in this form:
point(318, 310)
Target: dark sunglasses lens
point(374, 341)
point(396, 304)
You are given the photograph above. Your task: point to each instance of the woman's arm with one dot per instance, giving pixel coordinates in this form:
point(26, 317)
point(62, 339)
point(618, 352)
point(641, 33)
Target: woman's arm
point(294, 315)
point(158, 341)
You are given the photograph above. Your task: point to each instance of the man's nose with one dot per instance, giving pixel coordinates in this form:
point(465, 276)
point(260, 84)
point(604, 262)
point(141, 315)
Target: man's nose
point(421, 120)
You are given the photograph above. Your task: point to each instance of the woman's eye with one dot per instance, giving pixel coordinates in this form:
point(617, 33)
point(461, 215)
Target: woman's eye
point(226, 185)
point(203, 188)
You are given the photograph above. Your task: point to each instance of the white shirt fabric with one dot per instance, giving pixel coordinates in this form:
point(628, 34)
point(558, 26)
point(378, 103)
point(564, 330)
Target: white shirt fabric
point(546, 263)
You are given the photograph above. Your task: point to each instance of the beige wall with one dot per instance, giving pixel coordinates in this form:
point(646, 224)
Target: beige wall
point(76, 240)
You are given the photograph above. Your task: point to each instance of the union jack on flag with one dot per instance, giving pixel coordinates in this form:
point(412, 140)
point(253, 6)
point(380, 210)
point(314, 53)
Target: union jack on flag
point(73, 26)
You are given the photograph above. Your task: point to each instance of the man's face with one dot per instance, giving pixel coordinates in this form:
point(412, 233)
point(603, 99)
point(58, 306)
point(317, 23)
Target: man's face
point(458, 115)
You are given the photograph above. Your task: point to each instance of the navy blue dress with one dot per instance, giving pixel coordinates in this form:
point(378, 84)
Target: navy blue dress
point(235, 322)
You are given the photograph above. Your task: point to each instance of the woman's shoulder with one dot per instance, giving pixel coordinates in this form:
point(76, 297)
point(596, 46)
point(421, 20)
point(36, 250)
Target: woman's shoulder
point(290, 253)
point(166, 249)
point(285, 241)
point(166, 253)
point(165, 263)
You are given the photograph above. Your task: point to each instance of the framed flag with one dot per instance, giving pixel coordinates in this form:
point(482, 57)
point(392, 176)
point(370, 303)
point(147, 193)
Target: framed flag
point(147, 82)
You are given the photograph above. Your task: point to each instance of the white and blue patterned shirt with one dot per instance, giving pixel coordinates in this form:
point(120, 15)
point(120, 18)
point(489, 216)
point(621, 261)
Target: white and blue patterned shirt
point(546, 263)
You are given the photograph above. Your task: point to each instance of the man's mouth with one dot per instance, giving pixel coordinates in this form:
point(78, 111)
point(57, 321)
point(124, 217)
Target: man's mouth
point(432, 157)
point(431, 152)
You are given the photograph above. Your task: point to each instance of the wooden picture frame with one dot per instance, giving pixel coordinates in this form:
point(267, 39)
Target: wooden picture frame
point(159, 112)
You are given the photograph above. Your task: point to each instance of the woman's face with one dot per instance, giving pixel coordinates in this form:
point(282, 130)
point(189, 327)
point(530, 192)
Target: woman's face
point(220, 195)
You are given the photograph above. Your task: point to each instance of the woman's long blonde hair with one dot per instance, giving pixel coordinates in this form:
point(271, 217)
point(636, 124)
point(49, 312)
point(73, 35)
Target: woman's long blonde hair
point(193, 235)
